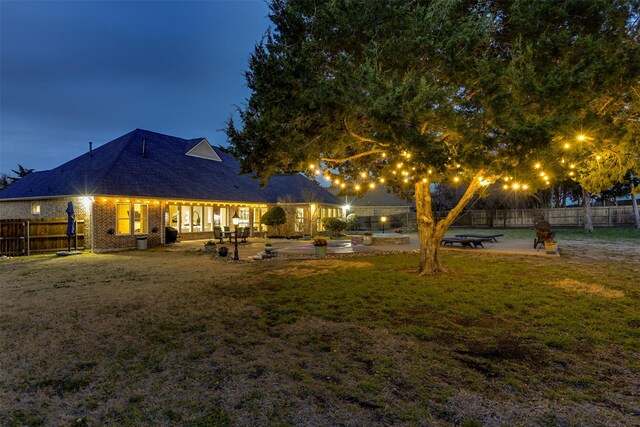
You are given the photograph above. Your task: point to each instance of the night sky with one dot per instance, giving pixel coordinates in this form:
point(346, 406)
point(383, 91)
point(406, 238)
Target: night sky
point(74, 72)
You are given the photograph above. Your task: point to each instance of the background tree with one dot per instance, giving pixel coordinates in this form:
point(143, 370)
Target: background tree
point(20, 173)
point(410, 93)
point(4, 180)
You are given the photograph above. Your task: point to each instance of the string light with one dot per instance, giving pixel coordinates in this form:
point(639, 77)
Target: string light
point(537, 166)
point(343, 185)
point(424, 180)
point(384, 154)
point(312, 166)
point(357, 187)
point(399, 165)
point(456, 179)
point(566, 146)
point(381, 180)
point(363, 174)
point(372, 185)
point(581, 137)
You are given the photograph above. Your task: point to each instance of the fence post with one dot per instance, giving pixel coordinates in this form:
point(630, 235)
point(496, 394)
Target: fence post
point(28, 238)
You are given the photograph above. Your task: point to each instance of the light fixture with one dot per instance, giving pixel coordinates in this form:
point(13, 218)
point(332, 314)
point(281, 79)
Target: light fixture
point(235, 220)
point(383, 219)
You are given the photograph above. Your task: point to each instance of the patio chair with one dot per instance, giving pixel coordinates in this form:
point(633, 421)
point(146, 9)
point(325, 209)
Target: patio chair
point(543, 232)
point(217, 233)
point(244, 233)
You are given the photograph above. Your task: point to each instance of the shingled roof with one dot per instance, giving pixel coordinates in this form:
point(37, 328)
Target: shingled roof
point(149, 164)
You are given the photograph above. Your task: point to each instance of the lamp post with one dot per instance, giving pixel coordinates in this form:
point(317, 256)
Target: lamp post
point(383, 219)
point(236, 220)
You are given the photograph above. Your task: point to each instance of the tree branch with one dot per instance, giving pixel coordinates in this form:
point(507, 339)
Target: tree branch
point(355, 156)
point(361, 138)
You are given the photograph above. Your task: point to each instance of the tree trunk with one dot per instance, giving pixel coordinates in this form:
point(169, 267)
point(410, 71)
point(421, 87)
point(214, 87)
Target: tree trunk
point(431, 231)
point(634, 203)
point(588, 223)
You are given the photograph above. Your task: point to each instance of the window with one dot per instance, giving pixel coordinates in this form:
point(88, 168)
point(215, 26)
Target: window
point(185, 219)
point(208, 218)
point(140, 218)
point(243, 213)
point(299, 219)
point(35, 208)
point(174, 214)
point(196, 213)
point(126, 223)
point(123, 222)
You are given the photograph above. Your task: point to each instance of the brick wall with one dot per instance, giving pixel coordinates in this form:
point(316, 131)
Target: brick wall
point(104, 217)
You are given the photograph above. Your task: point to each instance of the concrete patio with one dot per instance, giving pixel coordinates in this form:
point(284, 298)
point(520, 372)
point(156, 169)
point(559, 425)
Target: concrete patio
point(294, 247)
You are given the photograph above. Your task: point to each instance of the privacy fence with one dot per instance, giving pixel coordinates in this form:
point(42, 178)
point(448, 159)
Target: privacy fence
point(606, 216)
point(35, 236)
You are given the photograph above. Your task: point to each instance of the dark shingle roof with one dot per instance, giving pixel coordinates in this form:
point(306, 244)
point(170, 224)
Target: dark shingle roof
point(119, 168)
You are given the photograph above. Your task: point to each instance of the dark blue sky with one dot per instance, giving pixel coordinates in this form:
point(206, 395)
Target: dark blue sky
point(74, 72)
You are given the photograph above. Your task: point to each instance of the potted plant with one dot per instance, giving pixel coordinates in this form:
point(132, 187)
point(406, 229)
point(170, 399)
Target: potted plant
point(321, 247)
point(223, 251)
point(368, 238)
point(210, 247)
point(551, 247)
point(268, 247)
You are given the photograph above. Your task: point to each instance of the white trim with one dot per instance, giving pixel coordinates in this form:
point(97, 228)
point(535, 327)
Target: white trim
point(210, 156)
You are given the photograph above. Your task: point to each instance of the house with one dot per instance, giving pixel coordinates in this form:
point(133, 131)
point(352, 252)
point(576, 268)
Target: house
point(379, 203)
point(143, 181)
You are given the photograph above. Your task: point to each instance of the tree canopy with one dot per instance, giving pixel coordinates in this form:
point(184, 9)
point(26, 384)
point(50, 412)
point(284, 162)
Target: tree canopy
point(461, 92)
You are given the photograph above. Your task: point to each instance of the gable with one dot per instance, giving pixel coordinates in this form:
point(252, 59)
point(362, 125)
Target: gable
point(203, 150)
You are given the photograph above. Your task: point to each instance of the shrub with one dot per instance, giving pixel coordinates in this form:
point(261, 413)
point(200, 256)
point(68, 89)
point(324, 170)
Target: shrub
point(275, 217)
point(352, 221)
point(334, 225)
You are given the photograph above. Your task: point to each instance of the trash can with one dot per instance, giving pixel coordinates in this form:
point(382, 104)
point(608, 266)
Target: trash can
point(141, 242)
point(170, 235)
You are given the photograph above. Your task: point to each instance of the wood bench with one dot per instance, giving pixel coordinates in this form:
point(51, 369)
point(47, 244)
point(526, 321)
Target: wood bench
point(484, 237)
point(464, 242)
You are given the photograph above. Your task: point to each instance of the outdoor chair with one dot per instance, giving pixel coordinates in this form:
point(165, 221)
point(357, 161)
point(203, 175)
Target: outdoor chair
point(244, 233)
point(543, 233)
point(217, 233)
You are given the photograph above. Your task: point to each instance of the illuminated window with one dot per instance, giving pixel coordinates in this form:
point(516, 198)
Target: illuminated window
point(123, 222)
point(243, 213)
point(208, 218)
point(299, 225)
point(196, 212)
point(174, 215)
point(140, 218)
point(35, 208)
point(185, 219)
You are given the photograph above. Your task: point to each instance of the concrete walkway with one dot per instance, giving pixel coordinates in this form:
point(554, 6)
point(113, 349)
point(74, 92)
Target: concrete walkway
point(294, 248)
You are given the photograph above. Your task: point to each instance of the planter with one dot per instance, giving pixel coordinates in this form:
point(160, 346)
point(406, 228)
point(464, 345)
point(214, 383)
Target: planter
point(268, 250)
point(210, 249)
point(367, 240)
point(321, 251)
point(551, 248)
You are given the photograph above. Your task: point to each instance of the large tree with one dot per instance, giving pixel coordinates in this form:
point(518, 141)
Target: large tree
point(409, 93)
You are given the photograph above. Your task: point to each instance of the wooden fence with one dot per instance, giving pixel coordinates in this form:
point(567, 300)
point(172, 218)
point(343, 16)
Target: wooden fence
point(602, 216)
point(34, 236)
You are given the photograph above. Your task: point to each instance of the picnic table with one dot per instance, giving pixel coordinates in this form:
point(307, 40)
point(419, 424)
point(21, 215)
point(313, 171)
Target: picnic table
point(484, 237)
point(464, 242)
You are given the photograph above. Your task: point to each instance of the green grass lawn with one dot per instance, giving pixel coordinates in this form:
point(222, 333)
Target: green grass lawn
point(500, 340)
